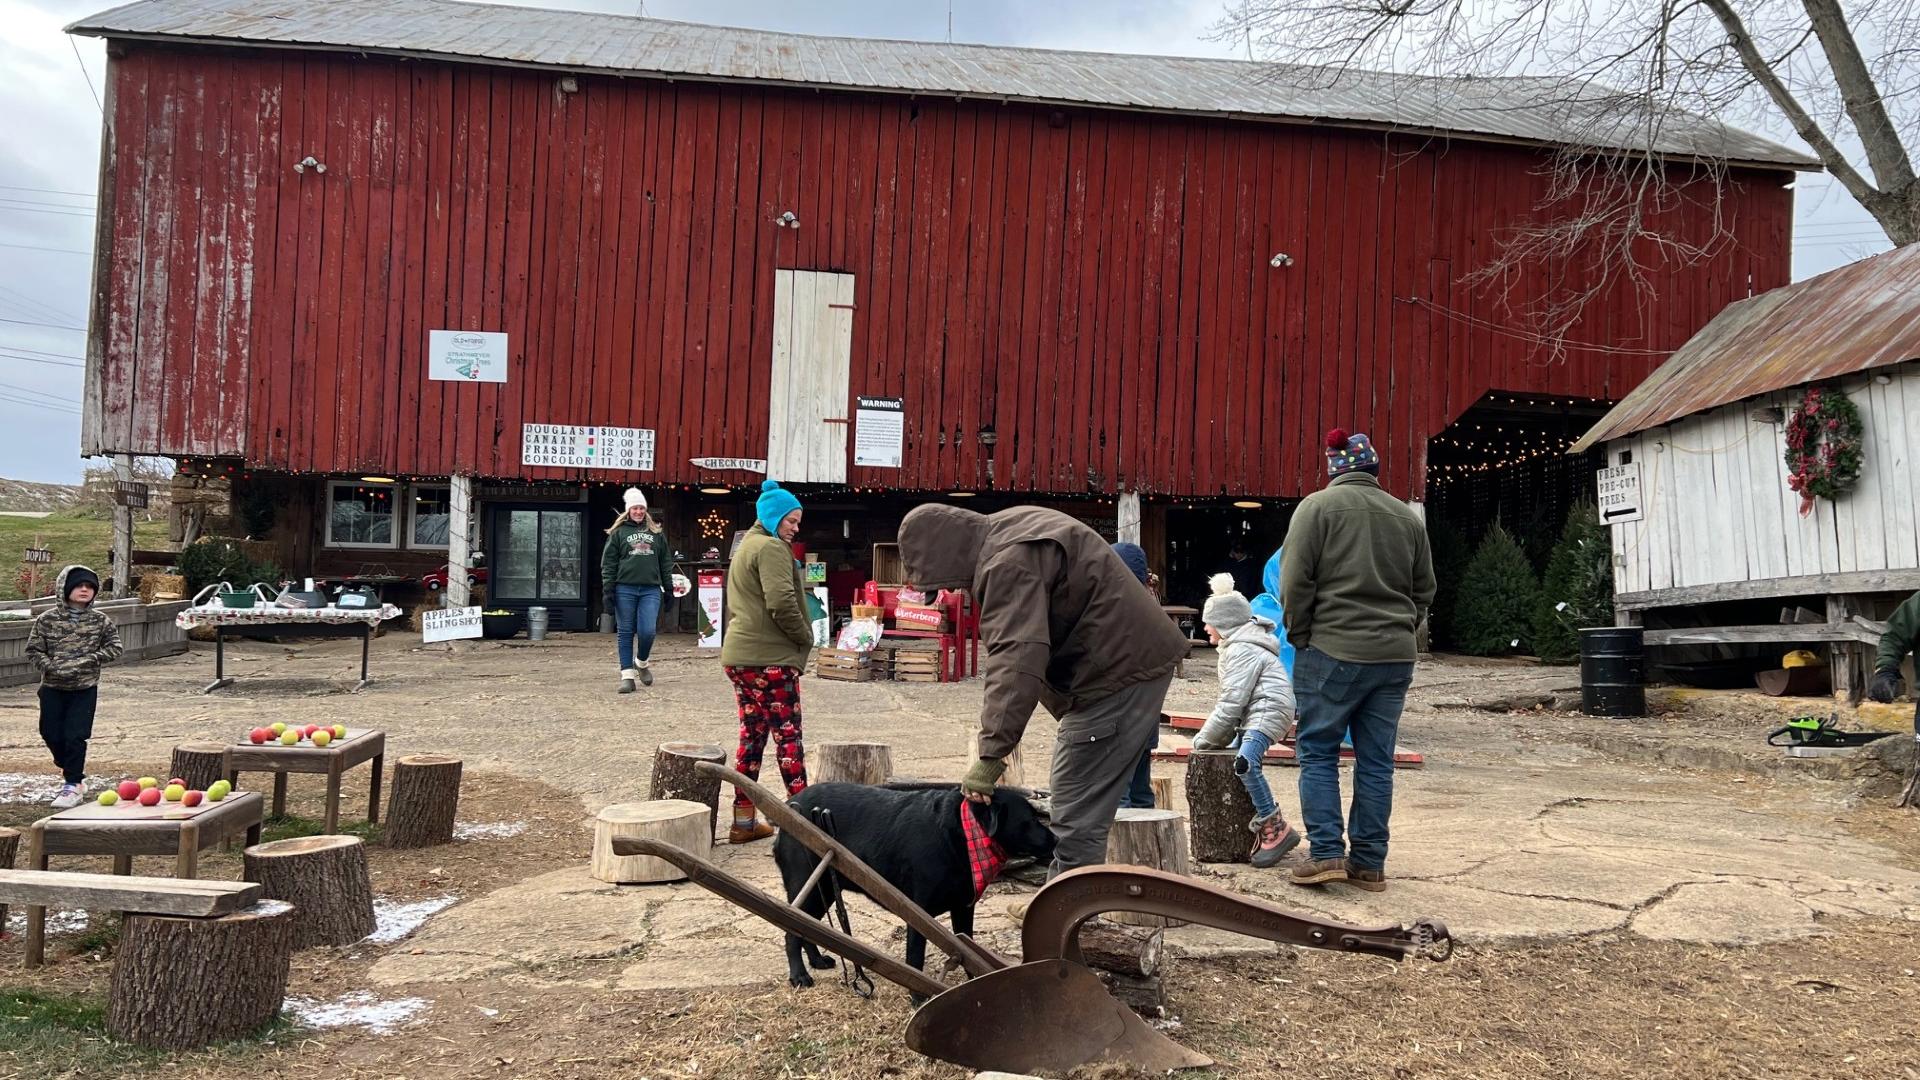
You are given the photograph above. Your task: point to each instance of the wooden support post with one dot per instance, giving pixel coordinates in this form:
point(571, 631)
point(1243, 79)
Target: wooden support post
point(325, 879)
point(9, 846)
point(122, 532)
point(426, 793)
point(684, 824)
point(199, 764)
point(1155, 839)
point(1127, 518)
point(852, 763)
point(1162, 792)
point(183, 983)
point(459, 532)
point(1219, 807)
point(1848, 661)
point(674, 777)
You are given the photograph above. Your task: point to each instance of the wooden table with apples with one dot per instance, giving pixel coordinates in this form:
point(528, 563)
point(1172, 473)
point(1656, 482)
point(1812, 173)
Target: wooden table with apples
point(315, 750)
point(134, 826)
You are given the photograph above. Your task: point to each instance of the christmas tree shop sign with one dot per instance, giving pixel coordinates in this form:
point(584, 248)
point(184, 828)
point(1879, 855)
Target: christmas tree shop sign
point(466, 356)
point(574, 446)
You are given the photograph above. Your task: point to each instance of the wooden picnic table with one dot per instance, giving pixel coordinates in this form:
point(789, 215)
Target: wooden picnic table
point(125, 830)
point(331, 761)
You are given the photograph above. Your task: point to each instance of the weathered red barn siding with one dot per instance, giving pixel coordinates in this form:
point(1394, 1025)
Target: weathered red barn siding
point(1093, 284)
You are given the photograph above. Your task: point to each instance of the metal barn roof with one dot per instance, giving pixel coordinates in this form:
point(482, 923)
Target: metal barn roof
point(1532, 110)
point(1862, 316)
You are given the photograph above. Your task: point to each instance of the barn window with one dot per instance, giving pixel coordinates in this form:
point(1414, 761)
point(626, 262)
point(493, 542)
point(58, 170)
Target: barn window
point(360, 515)
point(431, 508)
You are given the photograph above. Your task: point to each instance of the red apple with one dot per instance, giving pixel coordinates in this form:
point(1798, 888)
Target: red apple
point(192, 798)
point(307, 732)
point(150, 797)
point(177, 780)
point(259, 735)
point(129, 789)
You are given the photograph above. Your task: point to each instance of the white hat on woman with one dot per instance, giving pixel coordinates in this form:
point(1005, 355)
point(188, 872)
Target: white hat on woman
point(634, 498)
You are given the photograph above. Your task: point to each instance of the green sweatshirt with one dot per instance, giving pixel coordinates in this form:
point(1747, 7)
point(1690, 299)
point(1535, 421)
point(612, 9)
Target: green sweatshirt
point(636, 555)
point(1357, 577)
point(1903, 633)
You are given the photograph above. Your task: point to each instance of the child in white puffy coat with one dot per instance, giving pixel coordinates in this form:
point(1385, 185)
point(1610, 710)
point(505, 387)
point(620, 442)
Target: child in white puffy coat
point(1255, 708)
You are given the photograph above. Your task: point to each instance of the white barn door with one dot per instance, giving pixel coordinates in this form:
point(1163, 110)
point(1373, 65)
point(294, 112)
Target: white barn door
point(812, 353)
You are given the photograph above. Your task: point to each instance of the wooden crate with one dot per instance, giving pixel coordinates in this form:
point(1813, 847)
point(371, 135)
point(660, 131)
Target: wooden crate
point(845, 665)
point(919, 617)
point(915, 665)
point(887, 567)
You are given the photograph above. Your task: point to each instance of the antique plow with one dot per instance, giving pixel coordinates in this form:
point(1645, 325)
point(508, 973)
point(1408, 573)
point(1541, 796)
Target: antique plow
point(1047, 1010)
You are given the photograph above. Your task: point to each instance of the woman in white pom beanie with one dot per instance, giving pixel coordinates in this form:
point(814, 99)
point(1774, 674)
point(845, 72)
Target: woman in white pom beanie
point(1256, 706)
point(636, 567)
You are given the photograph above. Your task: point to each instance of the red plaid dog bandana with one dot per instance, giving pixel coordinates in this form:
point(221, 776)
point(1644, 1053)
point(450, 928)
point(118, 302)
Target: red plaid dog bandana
point(985, 856)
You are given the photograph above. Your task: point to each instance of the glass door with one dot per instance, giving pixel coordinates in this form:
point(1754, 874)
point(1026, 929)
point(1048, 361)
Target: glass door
point(539, 557)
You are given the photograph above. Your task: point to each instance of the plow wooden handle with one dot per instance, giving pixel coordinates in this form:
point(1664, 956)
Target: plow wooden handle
point(792, 920)
point(976, 958)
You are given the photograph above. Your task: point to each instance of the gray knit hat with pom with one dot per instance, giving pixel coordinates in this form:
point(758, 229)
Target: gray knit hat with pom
point(1226, 610)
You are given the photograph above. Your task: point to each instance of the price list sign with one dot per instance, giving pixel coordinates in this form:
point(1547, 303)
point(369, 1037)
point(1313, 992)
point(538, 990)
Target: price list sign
point(572, 446)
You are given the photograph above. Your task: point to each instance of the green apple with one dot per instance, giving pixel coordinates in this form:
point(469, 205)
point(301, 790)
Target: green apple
point(218, 791)
point(277, 728)
point(288, 737)
point(109, 797)
point(147, 782)
point(173, 793)
point(339, 731)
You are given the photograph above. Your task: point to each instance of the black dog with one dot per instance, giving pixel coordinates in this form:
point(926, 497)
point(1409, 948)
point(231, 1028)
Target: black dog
point(914, 840)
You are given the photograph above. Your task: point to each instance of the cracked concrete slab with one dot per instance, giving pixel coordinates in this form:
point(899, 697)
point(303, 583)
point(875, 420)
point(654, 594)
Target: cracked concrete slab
point(1726, 913)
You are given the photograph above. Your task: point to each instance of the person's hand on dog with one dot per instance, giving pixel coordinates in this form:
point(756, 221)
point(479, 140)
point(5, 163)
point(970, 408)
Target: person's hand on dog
point(1882, 688)
point(981, 779)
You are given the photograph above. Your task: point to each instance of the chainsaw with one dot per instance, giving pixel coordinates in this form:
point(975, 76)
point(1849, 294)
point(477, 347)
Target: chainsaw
point(1821, 732)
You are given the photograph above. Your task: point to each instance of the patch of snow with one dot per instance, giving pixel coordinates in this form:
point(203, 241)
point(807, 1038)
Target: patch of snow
point(356, 1009)
point(394, 921)
point(488, 830)
point(58, 922)
point(38, 787)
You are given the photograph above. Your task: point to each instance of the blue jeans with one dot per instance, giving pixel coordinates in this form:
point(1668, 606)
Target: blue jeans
point(1253, 752)
point(1140, 789)
point(1364, 701)
point(636, 612)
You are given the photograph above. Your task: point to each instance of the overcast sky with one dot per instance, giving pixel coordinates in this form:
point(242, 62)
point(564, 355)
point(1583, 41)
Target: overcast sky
point(49, 164)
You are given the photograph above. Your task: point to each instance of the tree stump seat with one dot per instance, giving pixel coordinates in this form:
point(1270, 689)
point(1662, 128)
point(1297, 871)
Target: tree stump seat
point(680, 822)
point(325, 878)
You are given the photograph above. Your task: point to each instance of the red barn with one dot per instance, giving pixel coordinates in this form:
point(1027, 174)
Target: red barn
point(1049, 276)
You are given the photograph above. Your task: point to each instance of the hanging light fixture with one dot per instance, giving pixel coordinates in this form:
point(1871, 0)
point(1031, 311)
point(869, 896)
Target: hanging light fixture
point(716, 491)
point(1247, 504)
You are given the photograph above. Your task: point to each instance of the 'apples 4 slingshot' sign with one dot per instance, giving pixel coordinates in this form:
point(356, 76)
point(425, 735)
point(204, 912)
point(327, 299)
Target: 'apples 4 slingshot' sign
point(450, 624)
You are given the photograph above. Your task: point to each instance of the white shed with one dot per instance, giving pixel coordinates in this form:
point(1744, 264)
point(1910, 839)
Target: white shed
point(1697, 494)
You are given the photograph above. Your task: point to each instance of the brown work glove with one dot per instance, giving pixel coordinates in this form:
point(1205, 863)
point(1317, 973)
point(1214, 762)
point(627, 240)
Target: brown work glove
point(982, 778)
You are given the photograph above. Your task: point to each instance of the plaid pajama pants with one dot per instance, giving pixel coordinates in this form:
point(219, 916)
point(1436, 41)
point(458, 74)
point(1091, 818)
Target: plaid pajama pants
point(769, 699)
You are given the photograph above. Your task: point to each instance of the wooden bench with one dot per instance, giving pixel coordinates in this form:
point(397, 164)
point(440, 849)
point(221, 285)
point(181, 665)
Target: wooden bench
point(190, 897)
point(199, 962)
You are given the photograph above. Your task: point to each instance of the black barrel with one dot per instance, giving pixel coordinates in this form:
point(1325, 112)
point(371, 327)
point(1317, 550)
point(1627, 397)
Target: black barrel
point(1612, 662)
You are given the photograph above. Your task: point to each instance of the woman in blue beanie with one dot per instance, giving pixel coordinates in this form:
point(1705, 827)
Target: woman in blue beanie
point(768, 640)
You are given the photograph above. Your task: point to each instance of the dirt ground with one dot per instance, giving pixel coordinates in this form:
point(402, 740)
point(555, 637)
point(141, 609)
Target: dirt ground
point(1653, 898)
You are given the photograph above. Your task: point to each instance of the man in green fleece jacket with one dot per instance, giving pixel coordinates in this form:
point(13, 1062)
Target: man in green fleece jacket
point(1355, 584)
point(1903, 634)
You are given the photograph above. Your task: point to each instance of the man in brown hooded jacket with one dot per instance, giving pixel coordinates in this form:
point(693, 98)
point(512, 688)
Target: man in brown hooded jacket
point(1065, 624)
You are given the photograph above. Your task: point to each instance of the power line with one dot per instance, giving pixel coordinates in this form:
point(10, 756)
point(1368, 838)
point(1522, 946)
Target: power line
point(48, 325)
point(41, 405)
point(88, 75)
point(59, 251)
point(49, 191)
point(43, 352)
point(39, 393)
point(72, 212)
point(5, 355)
point(37, 306)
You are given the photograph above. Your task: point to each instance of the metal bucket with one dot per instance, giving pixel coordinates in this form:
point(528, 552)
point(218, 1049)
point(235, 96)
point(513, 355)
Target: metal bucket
point(1612, 666)
point(536, 624)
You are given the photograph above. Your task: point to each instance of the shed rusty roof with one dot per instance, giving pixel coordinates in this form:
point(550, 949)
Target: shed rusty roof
point(1532, 110)
point(1862, 316)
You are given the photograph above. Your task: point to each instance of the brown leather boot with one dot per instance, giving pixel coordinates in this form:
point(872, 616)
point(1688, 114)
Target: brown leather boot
point(753, 829)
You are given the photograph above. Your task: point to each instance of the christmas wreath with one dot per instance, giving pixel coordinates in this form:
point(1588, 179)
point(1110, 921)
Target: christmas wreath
point(1823, 446)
